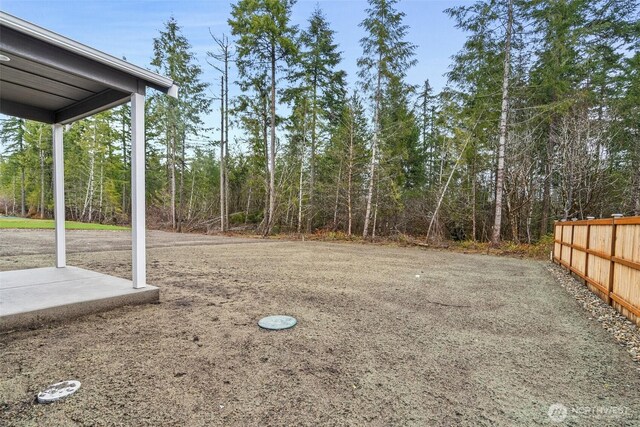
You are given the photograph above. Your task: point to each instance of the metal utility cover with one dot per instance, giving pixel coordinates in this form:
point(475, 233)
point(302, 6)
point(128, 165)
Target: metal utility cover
point(276, 323)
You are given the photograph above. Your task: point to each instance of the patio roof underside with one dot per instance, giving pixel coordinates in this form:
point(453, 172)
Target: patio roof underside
point(52, 79)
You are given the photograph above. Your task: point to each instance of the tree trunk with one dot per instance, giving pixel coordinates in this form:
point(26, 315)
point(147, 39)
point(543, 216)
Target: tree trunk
point(473, 197)
point(529, 216)
point(335, 210)
point(635, 190)
point(14, 195)
point(272, 159)
point(89, 192)
point(23, 192)
point(172, 171)
point(100, 199)
point(425, 148)
point(350, 176)
point(372, 167)
point(375, 217)
point(444, 190)
point(226, 136)
point(312, 161)
point(42, 185)
point(123, 135)
point(265, 136)
point(497, 224)
point(193, 186)
point(224, 57)
point(300, 190)
point(223, 199)
point(546, 192)
point(181, 189)
point(246, 216)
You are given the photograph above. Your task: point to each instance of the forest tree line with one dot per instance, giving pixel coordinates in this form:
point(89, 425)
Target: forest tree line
point(540, 120)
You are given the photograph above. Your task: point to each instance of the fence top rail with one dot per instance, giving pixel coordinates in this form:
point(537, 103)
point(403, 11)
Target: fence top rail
point(630, 220)
point(603, 221)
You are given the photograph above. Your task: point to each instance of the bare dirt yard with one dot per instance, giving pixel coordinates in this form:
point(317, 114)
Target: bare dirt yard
point(386, 336)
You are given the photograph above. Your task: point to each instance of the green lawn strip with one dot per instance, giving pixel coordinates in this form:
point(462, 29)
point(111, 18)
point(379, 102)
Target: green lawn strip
point(25, 223)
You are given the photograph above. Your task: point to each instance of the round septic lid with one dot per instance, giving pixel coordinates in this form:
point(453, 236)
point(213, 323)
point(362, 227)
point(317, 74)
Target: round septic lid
point(58, 391)
point(277, 322)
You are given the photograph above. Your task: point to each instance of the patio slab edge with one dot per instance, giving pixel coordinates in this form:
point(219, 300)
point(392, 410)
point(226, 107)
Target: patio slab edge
point(46, 316)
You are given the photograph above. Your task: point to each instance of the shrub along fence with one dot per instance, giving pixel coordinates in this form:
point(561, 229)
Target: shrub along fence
point(605, 254)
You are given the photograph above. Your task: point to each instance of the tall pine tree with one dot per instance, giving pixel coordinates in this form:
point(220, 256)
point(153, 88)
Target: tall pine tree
point(177, 118)
point(386, 55)
point(265, 36)
point(318, 64)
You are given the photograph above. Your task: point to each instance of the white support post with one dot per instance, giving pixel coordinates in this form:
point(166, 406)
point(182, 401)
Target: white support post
point(138, 227)
point(58, 195)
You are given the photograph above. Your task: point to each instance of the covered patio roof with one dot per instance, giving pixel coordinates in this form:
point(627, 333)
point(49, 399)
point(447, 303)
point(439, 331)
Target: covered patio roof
point(52, 79)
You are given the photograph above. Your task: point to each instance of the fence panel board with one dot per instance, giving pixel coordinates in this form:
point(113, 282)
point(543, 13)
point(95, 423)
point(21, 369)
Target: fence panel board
point(600, 238)
point(579, 254)
point(605, 254)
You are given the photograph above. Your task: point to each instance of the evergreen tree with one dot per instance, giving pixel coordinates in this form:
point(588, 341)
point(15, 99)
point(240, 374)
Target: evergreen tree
point(225, 56)
point(265, 36)
point(427, 109)
point(504, 110)
point(477, 74)
point(553, 115)
point(12, 137)
point(37, 137)
point(122, 127)
point(626, 129)
point(386, 55)
point(402, 160)
point(354, 134)
point(318, 61)
point(252, 109)
point(177, 119)
point(557, 72)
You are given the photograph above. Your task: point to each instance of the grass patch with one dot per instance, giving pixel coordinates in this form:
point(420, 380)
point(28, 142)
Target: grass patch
point(26, 223)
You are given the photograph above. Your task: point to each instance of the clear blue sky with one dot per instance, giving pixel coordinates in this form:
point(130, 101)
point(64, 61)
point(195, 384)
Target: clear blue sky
point(127, 28)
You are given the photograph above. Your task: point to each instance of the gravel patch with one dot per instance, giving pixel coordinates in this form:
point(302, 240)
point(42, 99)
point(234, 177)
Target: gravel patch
point(623, 330)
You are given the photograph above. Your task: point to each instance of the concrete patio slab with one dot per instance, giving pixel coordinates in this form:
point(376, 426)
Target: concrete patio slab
point(42, 295)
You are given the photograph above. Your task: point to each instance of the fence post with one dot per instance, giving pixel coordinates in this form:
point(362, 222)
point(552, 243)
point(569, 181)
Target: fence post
point(612, 264)
point(561, 244)
point(555, 239)
point(573, 228)
point(553, 250)
point(586, 252)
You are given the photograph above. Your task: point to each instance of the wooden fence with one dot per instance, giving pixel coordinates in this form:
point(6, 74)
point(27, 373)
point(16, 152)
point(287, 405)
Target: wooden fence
point(605, 254)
